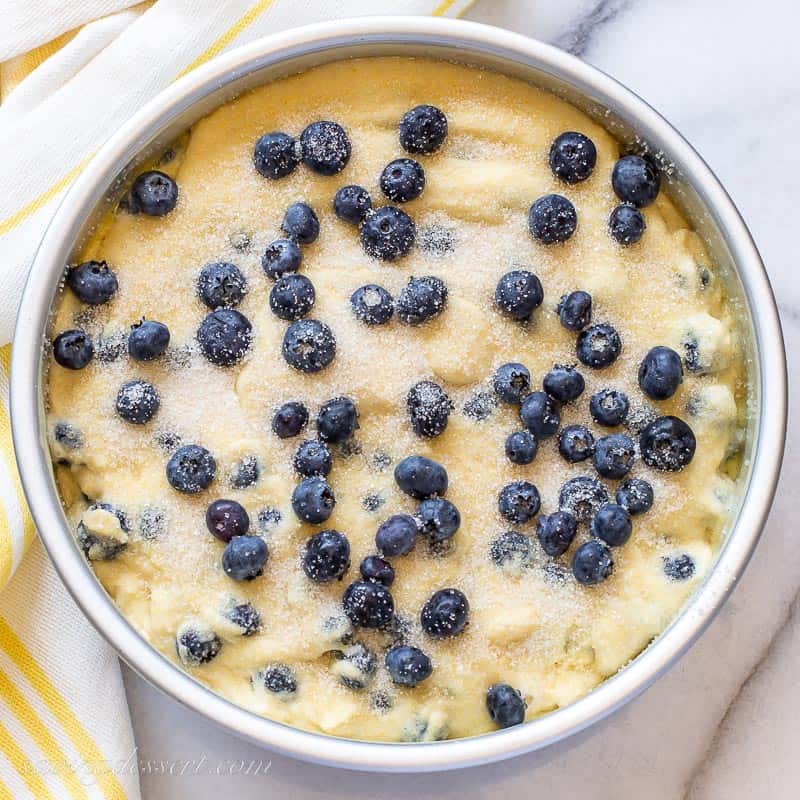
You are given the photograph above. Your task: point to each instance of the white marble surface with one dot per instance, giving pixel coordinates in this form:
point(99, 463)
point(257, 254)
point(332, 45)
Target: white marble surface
point(723, 723)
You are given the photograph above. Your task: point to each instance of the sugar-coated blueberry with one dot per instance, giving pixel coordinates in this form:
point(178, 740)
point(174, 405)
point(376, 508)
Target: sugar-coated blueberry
point(552, 219)
point(598, 346)
point(511, 551)
point(191, 469)
point(407, 665)
point(375, 568)
point(92, 282)
point(626, 224)
point(397, 535)
point(244, 558)
point(356, 667)
point(279, 680)
point(221, 285)
point(245, 472)
point(226, 519)
point(289, 419)
point(368, 604)
point(521, 447)
point(564, 383)
point(313, 458)
point(609, 407)
point(244, 616)
point(445, 614)
point(325, 147)
point(153, 193)
point(582, 496)
point(282, 256)
point(423, 129)
point(518, 294)
point(402, 180)
point(137, 402)
point(351, 204)
point(678, 568)
point(540, 415)
point(72, 349)
point(147, 340)
point(479, 406)
point(612, 524)
point(421, 477)
point(372, 304)
point(519, 502)
point(388, 233)
point(614, 455)
point(511, 382)
point(635, 495)
point(275, 155)
point(421, 299)
point(438, 519)
point(106, 542)
point(635, 180)
point(67, 436)
point(667, 444)
point(292, 297)
point(575, 310)
point(505, 705)
point(197, 645)
point(572, 157)
point(337, 420)
point(225, 336)
point(313, 500)
point(592, 563)
point(300, 223)
point(309, 345)
point(660, 373)
point(428, 408)
point(556, 531)
point(327, 556)
point(575, 443)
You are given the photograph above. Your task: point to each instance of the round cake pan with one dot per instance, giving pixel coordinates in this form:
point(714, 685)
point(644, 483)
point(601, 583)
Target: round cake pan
point(690, 183)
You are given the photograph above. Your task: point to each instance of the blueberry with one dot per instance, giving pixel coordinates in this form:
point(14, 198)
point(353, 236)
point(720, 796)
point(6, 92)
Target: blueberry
point(505, 705)
point(289, 419)
point(575, 310)
point(325, 147)
point(72, 349)
point(377, 569)
point(635, 180)
point(479, 406)
point(279, 679)
point(556, 532)
point(428, 408)
point(678, 568)
point(511, 551)
point(575, 443)
point(327, 556)
point(421, 299)
point(356, 666)
point(552, 219)
point(221, 285)
point(191, 469)
point(660, 373)
point(275, 155)
point(402, 180)
point(313, 458)
point(92, 282)
point(407, 665)
point(68, 436)
point(147, 340)
point(281, 257)
point(300, 223)
point(372, 304)
point(226, 519)
point(445, 614)
point(564, 383)
point(626, 224)
point(582, 497)
point(268, 518)
point(598, 346)
point(511, 382)
point(592, 563)
point(614, 455)
point(244, 557)
point(313, 500)
point(337, 420)
point(519, 502)
point(539, 414)
point(421, 477)
point(368, 605)
point(153, 193)
point(152, 523)
point(609, 407)
point(309, 345)
point(245, 617)
point(423, 129)
point(197, 645)
point(138, 402)
point(225, 336)
point(438, 519)
point(635, 495)
point(521, 447)
point(572, 157)
point(388, 233)
point(518, 294)
point(397, 535)
point(372, 502)
point(105, 542)
point(351, 204)
point(245, 472)
point(292, 297)
point(612, 524)
point(667, 444)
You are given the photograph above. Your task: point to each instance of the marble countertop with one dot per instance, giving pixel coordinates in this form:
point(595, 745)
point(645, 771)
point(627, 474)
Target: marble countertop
point(723, 722)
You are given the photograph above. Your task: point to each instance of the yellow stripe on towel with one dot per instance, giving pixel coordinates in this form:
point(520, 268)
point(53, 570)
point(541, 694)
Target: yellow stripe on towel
point(22, 764)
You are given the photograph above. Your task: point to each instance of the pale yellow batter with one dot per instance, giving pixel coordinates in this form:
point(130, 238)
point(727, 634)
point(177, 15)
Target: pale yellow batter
point(540, 631)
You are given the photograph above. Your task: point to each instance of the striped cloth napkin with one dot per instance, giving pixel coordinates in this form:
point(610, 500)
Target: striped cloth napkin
point(70, 72)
